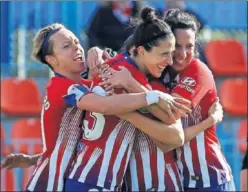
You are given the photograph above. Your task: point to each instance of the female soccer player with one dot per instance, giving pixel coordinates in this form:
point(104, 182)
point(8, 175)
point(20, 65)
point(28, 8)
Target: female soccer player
point(200, 160)
point(148, 170)
point(107, 142)
point(57, 47)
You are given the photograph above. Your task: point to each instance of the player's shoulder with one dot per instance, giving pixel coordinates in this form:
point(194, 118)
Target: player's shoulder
point(197, 68)
point(123, 59)
point(59, 83)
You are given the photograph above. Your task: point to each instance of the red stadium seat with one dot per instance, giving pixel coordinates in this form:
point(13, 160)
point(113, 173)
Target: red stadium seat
point(226, 57)
point(8, 180)
point(242, 136)
point(26, 136)
point(4, 147)
point(233, 96)
point(20, 97)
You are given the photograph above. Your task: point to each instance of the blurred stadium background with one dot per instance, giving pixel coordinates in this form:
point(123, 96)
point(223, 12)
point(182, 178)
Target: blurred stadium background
point(23, 81)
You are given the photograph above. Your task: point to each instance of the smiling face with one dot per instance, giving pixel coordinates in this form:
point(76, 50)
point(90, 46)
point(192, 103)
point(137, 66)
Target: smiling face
point(184, 50)
point(68, 54)
point(159, 57)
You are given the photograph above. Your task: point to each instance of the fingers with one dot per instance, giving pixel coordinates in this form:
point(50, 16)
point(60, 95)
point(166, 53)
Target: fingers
point(184, 108)
point(108, 87)
point(104, 83)
point(105, 76)
point(178, 113)
point(112, 71)
point(106, 55)
point(182, 100)
point(171, 115)
point(122, 68)
point(217, 99)
point(215, 107)
point(7, 162)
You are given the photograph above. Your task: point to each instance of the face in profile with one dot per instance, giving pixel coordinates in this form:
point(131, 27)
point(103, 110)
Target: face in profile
point(184, 49)
point(68, 53)
point(159, 57)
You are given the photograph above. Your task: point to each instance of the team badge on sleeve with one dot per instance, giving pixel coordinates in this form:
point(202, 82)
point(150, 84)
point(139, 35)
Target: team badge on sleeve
point(74, 94)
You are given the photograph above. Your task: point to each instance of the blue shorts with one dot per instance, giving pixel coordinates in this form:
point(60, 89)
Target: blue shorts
point(229, 186)
point(72, 185)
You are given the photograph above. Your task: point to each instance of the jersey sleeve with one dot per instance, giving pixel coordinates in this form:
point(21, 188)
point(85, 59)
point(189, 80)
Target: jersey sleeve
point(59, 89)
point(193, 85)
point(157, 85)
point(141, 78)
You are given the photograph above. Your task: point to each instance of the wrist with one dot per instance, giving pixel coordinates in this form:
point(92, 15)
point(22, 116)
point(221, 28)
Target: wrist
point(211, 120)
point(152, 97)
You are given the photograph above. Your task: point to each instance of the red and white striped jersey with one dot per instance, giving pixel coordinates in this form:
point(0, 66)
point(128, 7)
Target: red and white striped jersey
point(150, 168)
point(107, 141)
point(200, 160)
point(61, 133)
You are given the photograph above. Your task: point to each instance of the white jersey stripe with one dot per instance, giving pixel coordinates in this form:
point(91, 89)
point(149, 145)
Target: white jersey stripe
point(79, 161)
point(37, 175)
point(189, 163)
point(145, 156)
point(134, 173)
point(218, 176)
point(95, 155)
point(107, 155)
point(118, 160)
point(64, 163)
point(180, 164)
point(222, 161)
point(53, 167)
point(128, 153)
point(69, 150)
point(173, 176)
point(202, 159)
point(160, 170)
point(54, 155)
point(42, 127)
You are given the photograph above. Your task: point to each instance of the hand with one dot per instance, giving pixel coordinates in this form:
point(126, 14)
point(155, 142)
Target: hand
point(176, 107)
point(116, 79)
point(95, 59)
point(17, 160)
point(216, 112)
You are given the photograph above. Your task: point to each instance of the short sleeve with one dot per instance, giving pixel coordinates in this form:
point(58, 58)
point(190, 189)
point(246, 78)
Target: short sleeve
point(194, 84)
point(157, 85)
point(140, 77)
point(59, 88)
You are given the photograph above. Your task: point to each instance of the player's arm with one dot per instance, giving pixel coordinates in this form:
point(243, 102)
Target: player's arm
point(167, 134)
point(19, 160)
point(193, 87)
point(215, 116)
point(181, 107)
point(80, 96)
point(163, 110)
